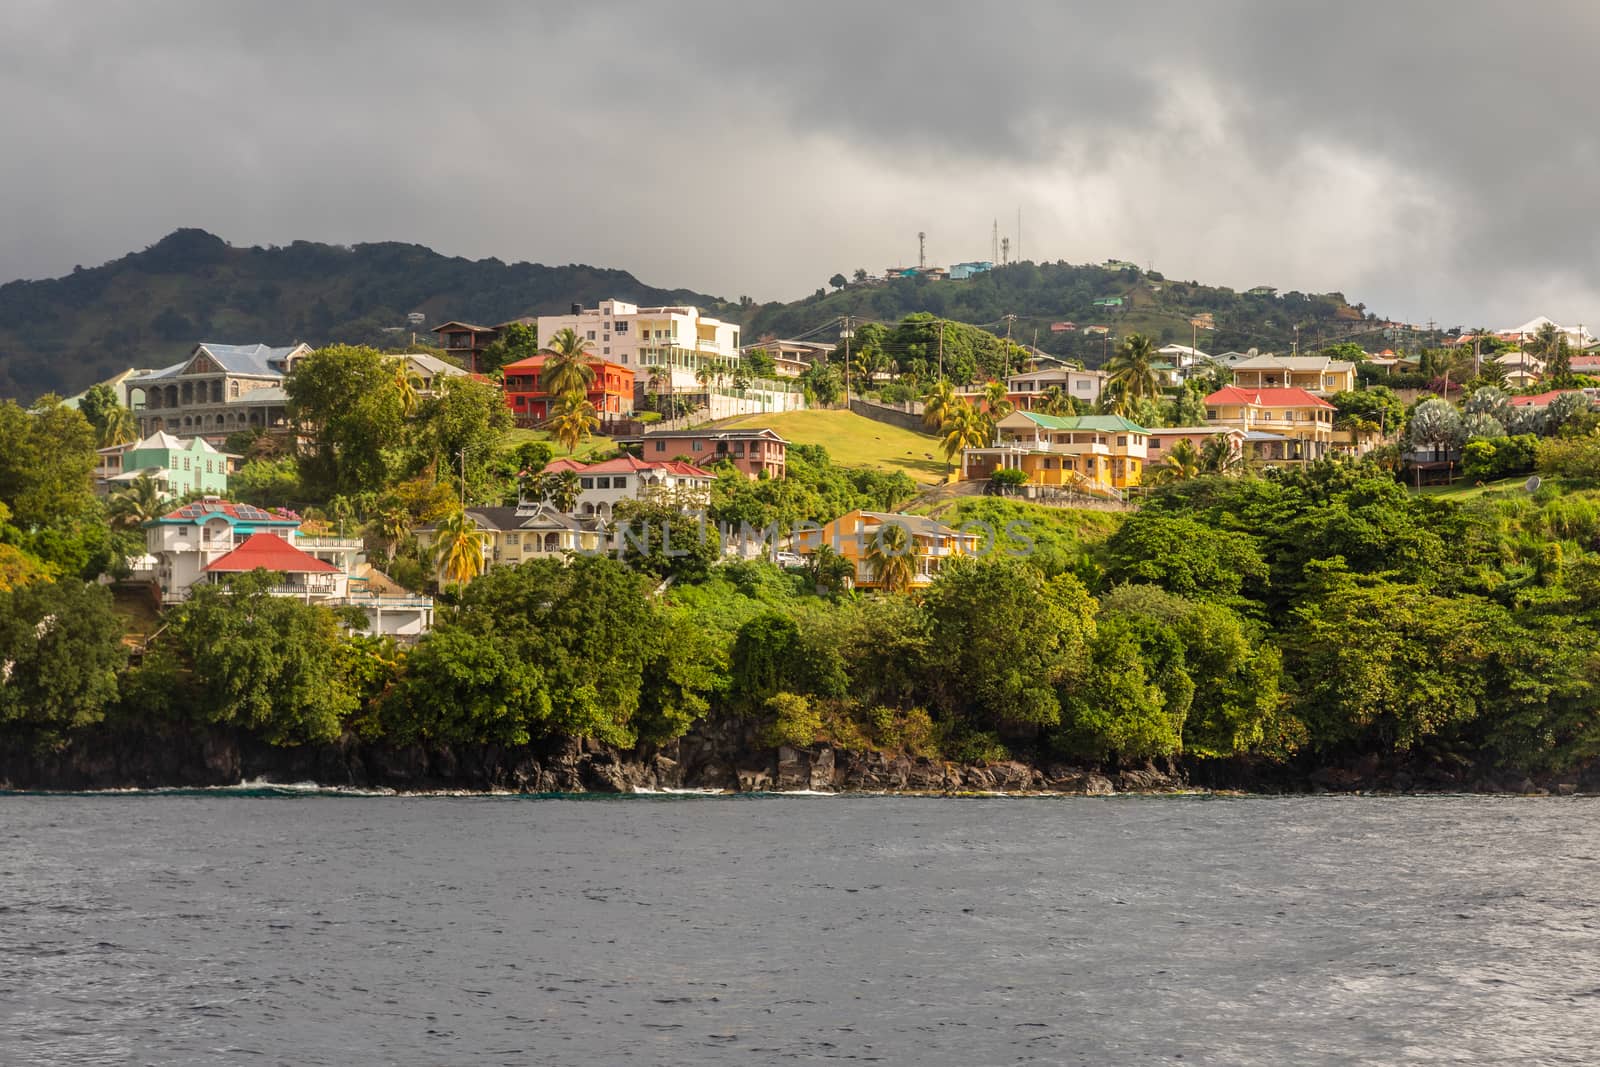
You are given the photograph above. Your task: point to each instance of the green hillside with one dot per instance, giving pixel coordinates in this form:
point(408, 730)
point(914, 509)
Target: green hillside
point(149, 308)
point(1045, 293)
point(855, 441)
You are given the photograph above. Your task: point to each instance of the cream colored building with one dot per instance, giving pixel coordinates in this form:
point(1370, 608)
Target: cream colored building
point(679, 338)
point(1279, 424)
point(1315, 374)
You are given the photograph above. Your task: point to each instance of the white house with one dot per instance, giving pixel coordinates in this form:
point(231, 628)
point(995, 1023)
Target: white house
point(1084, 386)
point(210, 539)
point(680, 338)
point(602, 486)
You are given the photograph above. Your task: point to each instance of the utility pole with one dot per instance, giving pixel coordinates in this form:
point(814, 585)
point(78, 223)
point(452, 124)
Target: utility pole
point(922, 250)
point(1296, 351)
point(846, 334)
point(941, 350)
point(1005, 250)
point(994, 244)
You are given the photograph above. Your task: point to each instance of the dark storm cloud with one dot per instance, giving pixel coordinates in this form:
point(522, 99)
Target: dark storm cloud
point(1430, 159)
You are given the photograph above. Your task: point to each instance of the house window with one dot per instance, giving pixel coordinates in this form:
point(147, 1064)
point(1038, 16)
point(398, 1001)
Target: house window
point(1122, 441)
point(602, 483)
point(591, 335)
point(607, 350)
point(183, 531)
point(622, 327)
point(1155, 442)
point(661, 446)
point(586, 483)
point(619, 482)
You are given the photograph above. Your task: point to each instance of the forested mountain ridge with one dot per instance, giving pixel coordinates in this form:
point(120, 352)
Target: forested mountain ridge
point(149, 308)
point(1040, 294)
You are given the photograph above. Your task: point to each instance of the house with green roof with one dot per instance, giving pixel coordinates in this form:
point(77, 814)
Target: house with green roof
point(1102, 454)
point(180, 466)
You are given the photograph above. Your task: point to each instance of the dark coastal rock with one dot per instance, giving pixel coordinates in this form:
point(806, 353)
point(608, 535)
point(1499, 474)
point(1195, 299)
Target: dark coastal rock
point(822, 768)
point(794, 769)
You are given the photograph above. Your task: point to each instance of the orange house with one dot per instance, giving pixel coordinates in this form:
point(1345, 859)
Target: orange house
point(611, 392)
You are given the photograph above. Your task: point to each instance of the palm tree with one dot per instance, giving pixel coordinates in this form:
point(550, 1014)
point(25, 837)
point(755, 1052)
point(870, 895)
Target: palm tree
point(937, 403)
point(566, 364)
point(1057, 402)
point(408, 383)
point(964, 427)
point(117, 427)
point(996, 402)
point(1131, 371)
point(138, 503)
point(458, 552)
point(704, 376)
point(391, 525)
point(1217, 455)
point(892, 557)
point(559, 489)
point(1179, 465)
point(572, 419)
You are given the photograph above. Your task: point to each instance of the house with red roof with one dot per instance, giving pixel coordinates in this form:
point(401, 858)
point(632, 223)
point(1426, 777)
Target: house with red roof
point(1280, 425)
point(1541, 400)
point(211, 540)
point(602, 486)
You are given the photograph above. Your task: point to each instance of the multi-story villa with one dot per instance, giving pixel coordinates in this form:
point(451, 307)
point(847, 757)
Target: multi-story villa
point(757, 451)
point(611, 390)
point(1104, 452)
point(679, 338)
point(1279, 424)
point(602, 486)
point(218, 390)
point(854, 535)
point(210, 539)
point(1314, 374)
point(1083, 386)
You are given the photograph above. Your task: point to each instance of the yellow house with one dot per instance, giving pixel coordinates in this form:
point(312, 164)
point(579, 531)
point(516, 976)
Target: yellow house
point(511, 535)
point(1279, 424)
point(1315, 374)
point(854, 534)
point(1085, 451)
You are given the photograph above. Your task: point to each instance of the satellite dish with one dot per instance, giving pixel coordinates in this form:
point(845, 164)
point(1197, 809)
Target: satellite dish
point(1532, 484)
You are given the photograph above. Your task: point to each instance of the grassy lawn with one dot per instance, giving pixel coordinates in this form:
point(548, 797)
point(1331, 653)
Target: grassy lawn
point(596, 445)
point(1465, 489)
point(856, 441)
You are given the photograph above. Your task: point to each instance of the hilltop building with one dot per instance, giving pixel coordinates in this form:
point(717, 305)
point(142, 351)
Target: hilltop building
point(1280, 425)
point(218, 390)
point(611, 392)
point(680, 338)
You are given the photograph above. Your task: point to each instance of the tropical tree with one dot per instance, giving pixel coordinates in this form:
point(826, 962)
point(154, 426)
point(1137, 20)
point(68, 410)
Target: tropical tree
point(1218, 456)
point(1056, 401)
point(566, 365)
point(117, 427)
point(1180, 464)
point(704, 376)
point(964, 427)
point(1131, 370)
point(572, 420)
point(559, 489)
point(938, 403)
point(1436, 424)
point(996, 402)
point(391, 526)
point(892, 557)
point(136, 504)
point(458, 550)
point(658, 378)
point(407, 383)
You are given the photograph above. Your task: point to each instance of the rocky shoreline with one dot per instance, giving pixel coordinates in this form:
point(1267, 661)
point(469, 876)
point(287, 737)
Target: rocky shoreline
point(728, 758)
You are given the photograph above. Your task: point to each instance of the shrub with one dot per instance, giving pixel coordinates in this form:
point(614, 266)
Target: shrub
point(1009, 476)
point(797, 721)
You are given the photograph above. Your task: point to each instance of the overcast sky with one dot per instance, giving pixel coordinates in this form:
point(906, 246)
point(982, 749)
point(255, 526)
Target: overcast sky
point(1431, 159)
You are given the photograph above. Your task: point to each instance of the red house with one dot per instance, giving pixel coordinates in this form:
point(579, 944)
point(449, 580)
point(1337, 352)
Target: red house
point(611, 392)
